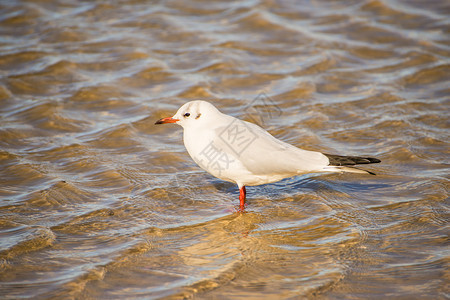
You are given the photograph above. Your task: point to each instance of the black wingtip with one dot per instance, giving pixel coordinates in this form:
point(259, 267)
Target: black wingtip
point(339, 160)
point(373, 160)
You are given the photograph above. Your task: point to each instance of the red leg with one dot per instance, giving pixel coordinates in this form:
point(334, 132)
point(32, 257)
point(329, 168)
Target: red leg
point(242, 194)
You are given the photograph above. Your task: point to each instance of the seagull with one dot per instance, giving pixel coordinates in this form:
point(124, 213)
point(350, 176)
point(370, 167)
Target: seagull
point(244, 153)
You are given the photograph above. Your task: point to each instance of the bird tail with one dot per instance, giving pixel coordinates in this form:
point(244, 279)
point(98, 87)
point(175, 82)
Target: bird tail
point(346, 169)
point(338, 163)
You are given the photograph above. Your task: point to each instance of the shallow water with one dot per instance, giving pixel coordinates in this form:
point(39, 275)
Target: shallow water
point(98, 202)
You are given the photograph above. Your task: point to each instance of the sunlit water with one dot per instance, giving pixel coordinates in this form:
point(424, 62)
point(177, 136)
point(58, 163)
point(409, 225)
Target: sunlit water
point(98, 202)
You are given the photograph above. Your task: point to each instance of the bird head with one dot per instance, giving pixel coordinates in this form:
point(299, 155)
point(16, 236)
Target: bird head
point(192, 114)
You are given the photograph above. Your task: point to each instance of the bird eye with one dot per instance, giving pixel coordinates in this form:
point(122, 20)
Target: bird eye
point(187, 114)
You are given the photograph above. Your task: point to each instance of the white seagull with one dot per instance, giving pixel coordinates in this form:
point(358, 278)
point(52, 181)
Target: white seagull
point(241, 152)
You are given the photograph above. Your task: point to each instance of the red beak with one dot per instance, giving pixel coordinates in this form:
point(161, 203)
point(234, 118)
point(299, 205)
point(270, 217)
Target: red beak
point(167, 120)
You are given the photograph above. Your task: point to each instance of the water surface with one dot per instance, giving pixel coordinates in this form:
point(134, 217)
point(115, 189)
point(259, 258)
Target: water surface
point(98, 202)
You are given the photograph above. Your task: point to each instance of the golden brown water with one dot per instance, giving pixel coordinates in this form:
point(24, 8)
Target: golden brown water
point(97, 202)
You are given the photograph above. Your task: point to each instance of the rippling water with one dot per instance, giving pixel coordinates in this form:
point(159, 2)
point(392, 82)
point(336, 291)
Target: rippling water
point(97, 202)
